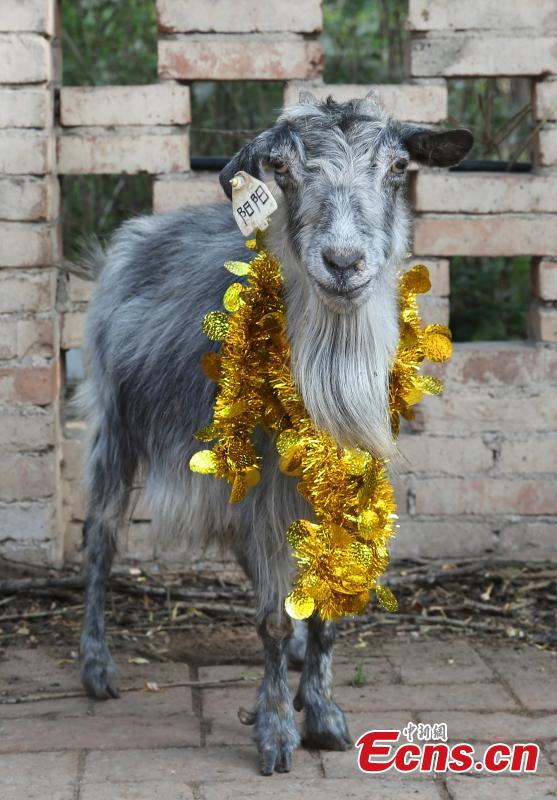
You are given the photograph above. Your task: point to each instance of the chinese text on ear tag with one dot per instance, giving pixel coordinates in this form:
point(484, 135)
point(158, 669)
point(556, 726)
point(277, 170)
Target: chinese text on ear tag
point(252, 203)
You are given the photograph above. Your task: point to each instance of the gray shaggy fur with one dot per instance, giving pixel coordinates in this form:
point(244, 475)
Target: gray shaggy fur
point(340, 232)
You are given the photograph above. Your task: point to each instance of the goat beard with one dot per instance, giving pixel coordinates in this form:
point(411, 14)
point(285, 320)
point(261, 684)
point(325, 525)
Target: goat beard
point(341, 364)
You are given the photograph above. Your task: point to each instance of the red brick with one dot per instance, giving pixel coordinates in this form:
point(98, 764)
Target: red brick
point(488, 235)
point(497, 364)
point(513, 412)
point(544, 279)
point(100, 151)
point(493, 193)
point(481, 54)
point(484, 496)
point(242, 16)
point(431, 15)
point(159, 104)
point(257, 57)
point(35, 385)
point(26, 337)
point(426, 103)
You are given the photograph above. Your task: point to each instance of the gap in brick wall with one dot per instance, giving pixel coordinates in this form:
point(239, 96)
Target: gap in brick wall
point(364, 42)
point(109, 43)
point(97, 204)
point(489, 298)
point(226, 115)
point(499, 112)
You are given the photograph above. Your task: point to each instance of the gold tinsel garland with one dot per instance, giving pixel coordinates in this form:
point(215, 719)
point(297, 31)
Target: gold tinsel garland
point(341, 554)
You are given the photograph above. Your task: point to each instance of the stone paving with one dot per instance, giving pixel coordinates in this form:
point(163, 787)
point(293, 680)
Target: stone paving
point(188, 744)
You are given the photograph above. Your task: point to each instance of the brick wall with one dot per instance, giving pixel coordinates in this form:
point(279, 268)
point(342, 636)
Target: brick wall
point(478, 466)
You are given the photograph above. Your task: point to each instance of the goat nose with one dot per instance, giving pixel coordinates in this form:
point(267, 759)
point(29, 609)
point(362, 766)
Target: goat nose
point(342, 260)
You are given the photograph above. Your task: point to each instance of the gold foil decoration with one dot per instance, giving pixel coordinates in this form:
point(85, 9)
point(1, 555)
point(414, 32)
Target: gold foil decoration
point(342, 552)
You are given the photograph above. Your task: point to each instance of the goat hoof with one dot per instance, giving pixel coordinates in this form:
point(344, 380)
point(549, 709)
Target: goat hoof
point(97, 674)
point(277, 738)
point(325, 728)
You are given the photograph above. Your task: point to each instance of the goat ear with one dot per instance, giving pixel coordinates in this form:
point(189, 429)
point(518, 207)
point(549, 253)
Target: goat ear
point(438, 149)
point(249, 159)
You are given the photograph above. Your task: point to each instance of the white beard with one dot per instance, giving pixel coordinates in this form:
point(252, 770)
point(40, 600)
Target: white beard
point(341, 362)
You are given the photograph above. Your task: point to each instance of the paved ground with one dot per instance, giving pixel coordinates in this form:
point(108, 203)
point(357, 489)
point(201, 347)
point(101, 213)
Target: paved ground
point(183, 744)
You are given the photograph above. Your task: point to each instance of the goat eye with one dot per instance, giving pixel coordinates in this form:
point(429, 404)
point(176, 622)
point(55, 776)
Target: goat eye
point(399, 166)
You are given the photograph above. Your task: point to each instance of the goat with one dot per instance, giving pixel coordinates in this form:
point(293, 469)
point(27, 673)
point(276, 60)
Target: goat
point(340, 232)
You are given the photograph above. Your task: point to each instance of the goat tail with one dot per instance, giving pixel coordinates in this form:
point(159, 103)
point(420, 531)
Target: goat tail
point(90, 263)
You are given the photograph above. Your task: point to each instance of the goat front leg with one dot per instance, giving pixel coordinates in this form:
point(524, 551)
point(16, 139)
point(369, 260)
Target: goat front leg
point(276, 734)
point(324, 724)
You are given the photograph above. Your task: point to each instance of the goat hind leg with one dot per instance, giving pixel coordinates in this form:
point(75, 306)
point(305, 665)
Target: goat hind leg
point(112, 468)
point(324, 723)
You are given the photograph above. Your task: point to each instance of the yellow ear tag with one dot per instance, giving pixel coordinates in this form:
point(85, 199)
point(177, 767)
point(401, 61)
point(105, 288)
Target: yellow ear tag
point(252, 203)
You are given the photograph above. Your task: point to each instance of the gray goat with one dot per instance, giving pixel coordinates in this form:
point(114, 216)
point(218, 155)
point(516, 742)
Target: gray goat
point(340, 232)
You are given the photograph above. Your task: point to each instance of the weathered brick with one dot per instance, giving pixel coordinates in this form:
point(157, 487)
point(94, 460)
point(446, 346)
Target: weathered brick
point(25, 521)
point(427, 662)
point(256, 57)
point(438, 273)
point(37, 385)
point(26, 151)
point(191, 190)
point(529, 456)
point(242, 16)
point(25, 58)
point(79, 290)
point(445, 455)
point(26, 108)
point(431, 15)
point(448, 192)
point(28, 244)
point(72, 329)
point(484, 496)
point(410, 102)
point(26, 337)
point(434, 309)
point(497, 364)
point(545, 99)
point(473, 413)
point(464, 787)
point(99, 151)
point(22, 775)
point(28, 15)
point(29, 199)
point(543, 322)
point(544, 279)
point(21, 290)
point(547, 146)
point(23, 430)
point(159, 104)
point(25, 477)
point(473, 54)
point(488, 235)
point(452, 537)
point(527, 539)
point(495, 726)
